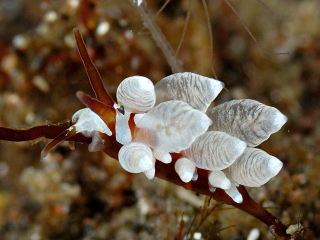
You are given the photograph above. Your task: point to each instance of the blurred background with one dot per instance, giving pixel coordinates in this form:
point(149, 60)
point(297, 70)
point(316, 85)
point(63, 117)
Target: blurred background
point(82, 195)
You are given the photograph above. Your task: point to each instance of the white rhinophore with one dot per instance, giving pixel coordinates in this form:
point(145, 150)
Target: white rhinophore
point(218, 179)
point(215, 150)
point(171, 126)
point(136, 95)
point(136, 157)
point(254, 168)
point(246, 119)
point(196, 90)
point(185, 168)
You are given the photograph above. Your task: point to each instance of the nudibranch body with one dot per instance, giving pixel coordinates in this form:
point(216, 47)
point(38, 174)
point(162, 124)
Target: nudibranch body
point(174, 126)
point(152, 122)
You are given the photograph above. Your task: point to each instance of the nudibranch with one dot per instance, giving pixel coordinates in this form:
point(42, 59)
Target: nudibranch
point(166, 130)
point(153, 122)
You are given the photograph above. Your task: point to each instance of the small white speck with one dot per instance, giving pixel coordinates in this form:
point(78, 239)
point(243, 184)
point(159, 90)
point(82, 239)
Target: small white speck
point(4, 169)
point(123, 22)
point(30, 117)
point(21, 42)
point(254, 234)
point(138, 2)
point(185, 218)
point(197, 235)
point(103, 28)
point(70, 41)
point(135, 62)
point(41, 83)
point(292, 229)
point(73, 3)
point(51, 16)
point(128, 34)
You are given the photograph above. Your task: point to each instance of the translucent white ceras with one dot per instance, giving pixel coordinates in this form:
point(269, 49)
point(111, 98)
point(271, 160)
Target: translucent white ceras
point(186, 169)
point(171, 126)
point(218, 179)
point(246, 119)
point(215, 150)
point(136, 95)
point(196, 90)
point(136, 157)
point(254, 168)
